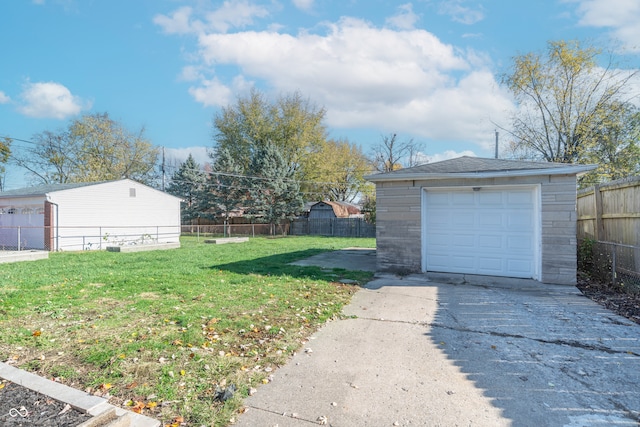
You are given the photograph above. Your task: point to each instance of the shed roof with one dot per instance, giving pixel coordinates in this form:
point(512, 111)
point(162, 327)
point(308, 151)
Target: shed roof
point(477, 167)
point(41, 190)
point(340, 209)
point(44, 190)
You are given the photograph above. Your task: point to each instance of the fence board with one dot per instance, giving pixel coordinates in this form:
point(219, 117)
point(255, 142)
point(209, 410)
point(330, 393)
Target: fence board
point(339, 227)
point(611, 212)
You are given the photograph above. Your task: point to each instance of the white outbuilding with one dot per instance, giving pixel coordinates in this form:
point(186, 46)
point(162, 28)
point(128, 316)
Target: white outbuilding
point(87, 216)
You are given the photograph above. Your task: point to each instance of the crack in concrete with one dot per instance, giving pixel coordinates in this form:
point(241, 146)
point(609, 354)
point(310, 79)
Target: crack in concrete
point(569, 343)
point(285, 415)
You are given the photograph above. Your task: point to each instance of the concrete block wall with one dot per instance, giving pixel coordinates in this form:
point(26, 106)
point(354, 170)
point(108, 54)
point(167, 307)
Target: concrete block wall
point(398, 223)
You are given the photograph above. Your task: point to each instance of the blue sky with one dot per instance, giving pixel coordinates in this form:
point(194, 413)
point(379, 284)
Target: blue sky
point(426, 69)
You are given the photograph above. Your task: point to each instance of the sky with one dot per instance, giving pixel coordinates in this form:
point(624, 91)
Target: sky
point(425, 70)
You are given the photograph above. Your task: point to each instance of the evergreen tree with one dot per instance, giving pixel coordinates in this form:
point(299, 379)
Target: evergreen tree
point(226, 187)
point(187, 183)
point(274, 193)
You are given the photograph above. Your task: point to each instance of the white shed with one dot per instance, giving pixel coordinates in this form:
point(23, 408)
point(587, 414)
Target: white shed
point(84, 216)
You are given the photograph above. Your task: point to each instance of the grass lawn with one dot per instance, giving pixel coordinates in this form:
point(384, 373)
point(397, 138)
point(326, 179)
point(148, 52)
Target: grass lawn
point(160, 331)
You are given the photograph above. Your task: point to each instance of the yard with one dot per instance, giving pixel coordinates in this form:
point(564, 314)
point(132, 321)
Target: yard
point(160, 332)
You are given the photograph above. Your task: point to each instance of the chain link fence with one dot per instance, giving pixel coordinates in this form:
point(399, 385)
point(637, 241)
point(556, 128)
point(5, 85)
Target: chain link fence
point(83, 238)
point(235, 230)
point(611, 264)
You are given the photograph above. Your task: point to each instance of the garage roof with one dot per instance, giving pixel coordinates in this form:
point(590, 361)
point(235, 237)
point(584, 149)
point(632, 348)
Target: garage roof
point(477, 167)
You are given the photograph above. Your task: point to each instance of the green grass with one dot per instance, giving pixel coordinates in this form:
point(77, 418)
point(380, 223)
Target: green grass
point(158, 331)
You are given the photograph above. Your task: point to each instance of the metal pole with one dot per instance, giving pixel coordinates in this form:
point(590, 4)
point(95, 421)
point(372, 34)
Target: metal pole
point(497, 136)
point(18, 238)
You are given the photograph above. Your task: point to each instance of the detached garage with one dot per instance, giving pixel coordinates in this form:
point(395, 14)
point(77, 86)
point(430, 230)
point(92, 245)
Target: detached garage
point(88, 216)
point(479, 216)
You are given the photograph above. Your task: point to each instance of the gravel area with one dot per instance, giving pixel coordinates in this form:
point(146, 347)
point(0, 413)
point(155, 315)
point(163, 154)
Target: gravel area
point(20, 406)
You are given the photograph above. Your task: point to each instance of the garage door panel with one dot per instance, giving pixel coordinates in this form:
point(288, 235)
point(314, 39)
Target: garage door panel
point(491, 231)
point(490, 198)
point(462, 219)
point(521, 242)
point(462, 199)
point(463, 262)
point(463, 241)
point(486, 241)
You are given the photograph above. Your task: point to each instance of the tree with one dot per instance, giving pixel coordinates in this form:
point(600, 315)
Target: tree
point(565, 100)
point(92, 148)
point(5, 152)
point(391, 154)
point(337, 170)
point(616, 150)
point(274, 194)
point(188, 183)
point(226, 188)
point(291, 123)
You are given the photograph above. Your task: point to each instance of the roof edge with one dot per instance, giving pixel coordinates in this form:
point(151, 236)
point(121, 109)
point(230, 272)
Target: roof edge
point(563, 170)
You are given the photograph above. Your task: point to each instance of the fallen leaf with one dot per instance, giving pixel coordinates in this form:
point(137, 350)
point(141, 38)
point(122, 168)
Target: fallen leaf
point(36, 333)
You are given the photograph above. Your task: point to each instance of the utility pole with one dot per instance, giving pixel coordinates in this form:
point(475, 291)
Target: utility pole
point(497, 135)
point(163, 174)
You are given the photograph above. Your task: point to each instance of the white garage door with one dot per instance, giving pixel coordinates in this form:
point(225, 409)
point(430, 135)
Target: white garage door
point(490, 231)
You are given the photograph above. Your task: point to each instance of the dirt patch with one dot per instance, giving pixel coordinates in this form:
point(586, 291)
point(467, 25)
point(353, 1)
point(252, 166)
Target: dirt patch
point(624, 304)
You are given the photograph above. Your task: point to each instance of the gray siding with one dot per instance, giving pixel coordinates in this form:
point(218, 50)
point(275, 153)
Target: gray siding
point(399, 216)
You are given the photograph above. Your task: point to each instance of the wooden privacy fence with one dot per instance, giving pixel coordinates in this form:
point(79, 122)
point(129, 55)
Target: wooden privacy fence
point(609, 232)
point(339, 227)
point(610, 212)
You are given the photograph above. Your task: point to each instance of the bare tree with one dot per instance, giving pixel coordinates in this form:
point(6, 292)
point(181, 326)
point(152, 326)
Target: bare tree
point(391, 154)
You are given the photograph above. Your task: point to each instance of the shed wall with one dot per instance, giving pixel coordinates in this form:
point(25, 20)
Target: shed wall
point(398, 223)
point(92, 216)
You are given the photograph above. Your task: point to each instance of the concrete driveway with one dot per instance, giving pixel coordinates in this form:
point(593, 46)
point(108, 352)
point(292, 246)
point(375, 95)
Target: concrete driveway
point(415, 351)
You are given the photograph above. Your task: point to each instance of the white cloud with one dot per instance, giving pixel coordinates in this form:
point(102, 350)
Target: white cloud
point(305, 5)
point(366, 77)
point(231, 14)
point(405, 19)
point(446, 155)
point(460, 13)
point(4, 98)
point(179, 155)
point(50, 100)
point(621, 16)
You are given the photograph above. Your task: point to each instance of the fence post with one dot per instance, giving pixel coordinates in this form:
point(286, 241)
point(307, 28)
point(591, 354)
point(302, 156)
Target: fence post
point(613, 264)
point(19, 238)
point(100, 234)
point(599, 228)
point(253, 230)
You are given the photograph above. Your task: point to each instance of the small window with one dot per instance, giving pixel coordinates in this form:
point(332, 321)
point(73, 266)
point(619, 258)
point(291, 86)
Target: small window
point(11, 211)
point(26, 211)
point(40, 211)
point(132, 192)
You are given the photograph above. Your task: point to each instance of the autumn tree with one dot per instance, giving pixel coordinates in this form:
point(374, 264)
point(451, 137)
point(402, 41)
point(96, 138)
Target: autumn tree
point(616, 149)
point(92, 148)
point(336, 171)
point(188, 182)
point(274, 194)
point(392, 154)
point(566, 102)
point(5, 152)
point(290, 123)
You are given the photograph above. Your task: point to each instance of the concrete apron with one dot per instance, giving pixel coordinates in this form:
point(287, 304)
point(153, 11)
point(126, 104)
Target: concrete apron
point(421, 353)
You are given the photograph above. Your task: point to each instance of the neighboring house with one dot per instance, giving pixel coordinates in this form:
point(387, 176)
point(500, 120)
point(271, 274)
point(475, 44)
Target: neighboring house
point(479, 216)
point(82, 216)
point(326, 209)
